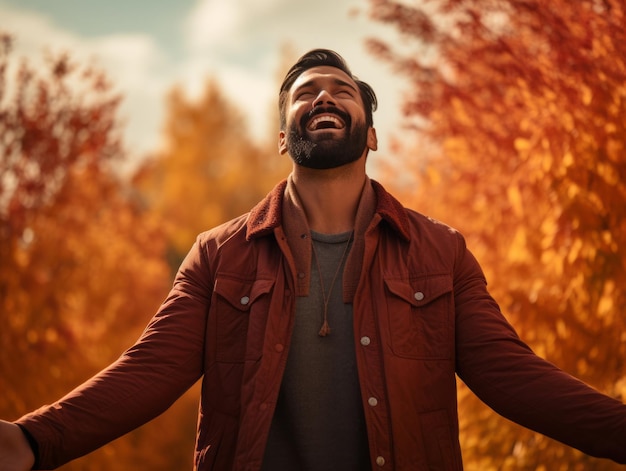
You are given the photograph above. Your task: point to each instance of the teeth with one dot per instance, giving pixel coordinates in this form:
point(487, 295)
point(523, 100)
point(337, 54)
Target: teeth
point(325, 118)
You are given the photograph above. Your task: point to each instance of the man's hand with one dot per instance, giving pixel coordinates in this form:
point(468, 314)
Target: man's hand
point(15, 451)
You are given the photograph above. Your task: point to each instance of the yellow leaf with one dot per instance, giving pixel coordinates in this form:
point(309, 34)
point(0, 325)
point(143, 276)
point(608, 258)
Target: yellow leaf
point(587, 95)
point(568, 159)
point(515, 199)
point(574, 251)
point(521, 144)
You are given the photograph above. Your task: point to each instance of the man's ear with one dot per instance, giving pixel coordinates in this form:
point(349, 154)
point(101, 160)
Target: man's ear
point(372, 140)
point(282, 143)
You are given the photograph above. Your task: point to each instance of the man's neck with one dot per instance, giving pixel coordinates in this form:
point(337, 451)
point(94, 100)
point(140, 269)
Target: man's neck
point(330, 197)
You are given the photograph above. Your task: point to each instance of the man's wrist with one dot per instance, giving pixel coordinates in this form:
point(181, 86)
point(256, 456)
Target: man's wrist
point(34, 446)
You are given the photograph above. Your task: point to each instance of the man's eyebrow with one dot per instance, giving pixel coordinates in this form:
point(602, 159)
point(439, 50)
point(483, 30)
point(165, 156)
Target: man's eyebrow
point(337, 81)
point(345, 84)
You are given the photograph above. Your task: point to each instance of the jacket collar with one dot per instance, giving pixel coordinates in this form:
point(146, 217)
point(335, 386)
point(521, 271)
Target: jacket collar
point(268, 214)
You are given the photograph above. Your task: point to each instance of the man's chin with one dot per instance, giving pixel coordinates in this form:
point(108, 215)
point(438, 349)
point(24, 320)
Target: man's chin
point(321, 164)
point(326, 148)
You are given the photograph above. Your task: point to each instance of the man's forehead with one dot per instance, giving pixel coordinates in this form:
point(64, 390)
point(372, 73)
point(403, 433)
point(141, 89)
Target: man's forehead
point(323, 72)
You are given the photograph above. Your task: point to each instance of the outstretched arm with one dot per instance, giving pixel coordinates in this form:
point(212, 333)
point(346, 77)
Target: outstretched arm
point(505, 373)
point(140, 385)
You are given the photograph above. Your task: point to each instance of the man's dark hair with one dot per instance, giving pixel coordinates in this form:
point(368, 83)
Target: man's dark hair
point(318, 58)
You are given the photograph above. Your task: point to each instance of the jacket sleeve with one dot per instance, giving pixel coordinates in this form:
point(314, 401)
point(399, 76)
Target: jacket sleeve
point(505, 373)
point(145, 380)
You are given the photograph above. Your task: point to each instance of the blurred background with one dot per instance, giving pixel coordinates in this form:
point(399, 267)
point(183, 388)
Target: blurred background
point(127, 129)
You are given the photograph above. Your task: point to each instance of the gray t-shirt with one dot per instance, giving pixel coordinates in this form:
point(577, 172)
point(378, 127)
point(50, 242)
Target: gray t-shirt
point(319, 422)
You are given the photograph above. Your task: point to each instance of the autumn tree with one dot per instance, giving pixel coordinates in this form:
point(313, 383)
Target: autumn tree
point(210, 170)
point(81, 267)
point(517, 108)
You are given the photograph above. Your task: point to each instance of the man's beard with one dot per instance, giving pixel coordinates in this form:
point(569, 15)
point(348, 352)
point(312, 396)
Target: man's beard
point(326, 150)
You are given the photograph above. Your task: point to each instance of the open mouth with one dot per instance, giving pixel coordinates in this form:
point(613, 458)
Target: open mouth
point(325, 121)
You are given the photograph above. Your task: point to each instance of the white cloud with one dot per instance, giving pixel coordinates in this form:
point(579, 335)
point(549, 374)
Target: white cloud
point(219, 23)
point(212, 22)
point(131, 61)
point(31, 31)
point(123, 56)
point(129, 58)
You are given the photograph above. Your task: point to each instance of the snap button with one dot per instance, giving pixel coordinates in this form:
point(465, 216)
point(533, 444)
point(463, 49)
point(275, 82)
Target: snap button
point(365, 341)
point(380, 461)
point(419, 295)
point(372, 401)
point(245, 300)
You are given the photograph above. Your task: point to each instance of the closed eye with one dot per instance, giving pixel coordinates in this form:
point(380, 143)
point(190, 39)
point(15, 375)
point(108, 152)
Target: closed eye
point(304, 95)
point(347, 93)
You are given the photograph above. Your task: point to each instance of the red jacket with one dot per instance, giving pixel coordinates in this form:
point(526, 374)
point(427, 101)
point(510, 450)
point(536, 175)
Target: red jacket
point(421, 314)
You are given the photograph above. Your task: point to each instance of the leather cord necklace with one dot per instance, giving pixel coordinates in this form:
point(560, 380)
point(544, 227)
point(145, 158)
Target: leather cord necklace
point(325, 330)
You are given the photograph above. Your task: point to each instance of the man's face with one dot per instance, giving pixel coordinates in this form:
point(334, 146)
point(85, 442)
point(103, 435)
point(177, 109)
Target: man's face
point(325, 120)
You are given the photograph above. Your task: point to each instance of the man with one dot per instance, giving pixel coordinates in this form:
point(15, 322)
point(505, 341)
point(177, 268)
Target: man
point(328, 325)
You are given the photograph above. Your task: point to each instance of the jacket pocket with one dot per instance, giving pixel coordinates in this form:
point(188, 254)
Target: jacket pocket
point(240, 309)
point(420, 316)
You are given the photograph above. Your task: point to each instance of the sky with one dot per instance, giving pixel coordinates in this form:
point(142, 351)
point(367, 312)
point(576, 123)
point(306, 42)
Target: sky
point(146, 47)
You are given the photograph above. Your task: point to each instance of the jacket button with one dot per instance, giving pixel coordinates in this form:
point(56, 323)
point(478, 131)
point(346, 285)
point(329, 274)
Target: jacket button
point(365, 341)
point(245, 300)
point(380, 461)
point(372, 401)
point(419, 295)
point(279, 347)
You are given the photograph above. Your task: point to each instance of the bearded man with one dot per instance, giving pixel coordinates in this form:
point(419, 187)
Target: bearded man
point(328, 325)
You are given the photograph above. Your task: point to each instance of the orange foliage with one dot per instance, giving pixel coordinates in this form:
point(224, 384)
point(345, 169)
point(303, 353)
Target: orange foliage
point(520, 136)
point(210, 170)
point(81, 268)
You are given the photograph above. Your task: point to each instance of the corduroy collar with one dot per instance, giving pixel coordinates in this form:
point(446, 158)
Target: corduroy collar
point(268, 213)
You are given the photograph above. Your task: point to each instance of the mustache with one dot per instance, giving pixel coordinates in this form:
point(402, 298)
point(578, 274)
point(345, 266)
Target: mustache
point(345, 117)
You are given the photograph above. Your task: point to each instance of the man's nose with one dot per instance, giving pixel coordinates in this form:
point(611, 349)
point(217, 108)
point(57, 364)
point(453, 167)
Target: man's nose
point(324, 98)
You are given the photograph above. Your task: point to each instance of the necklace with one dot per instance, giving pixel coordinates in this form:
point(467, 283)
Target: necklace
point(325, 330)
